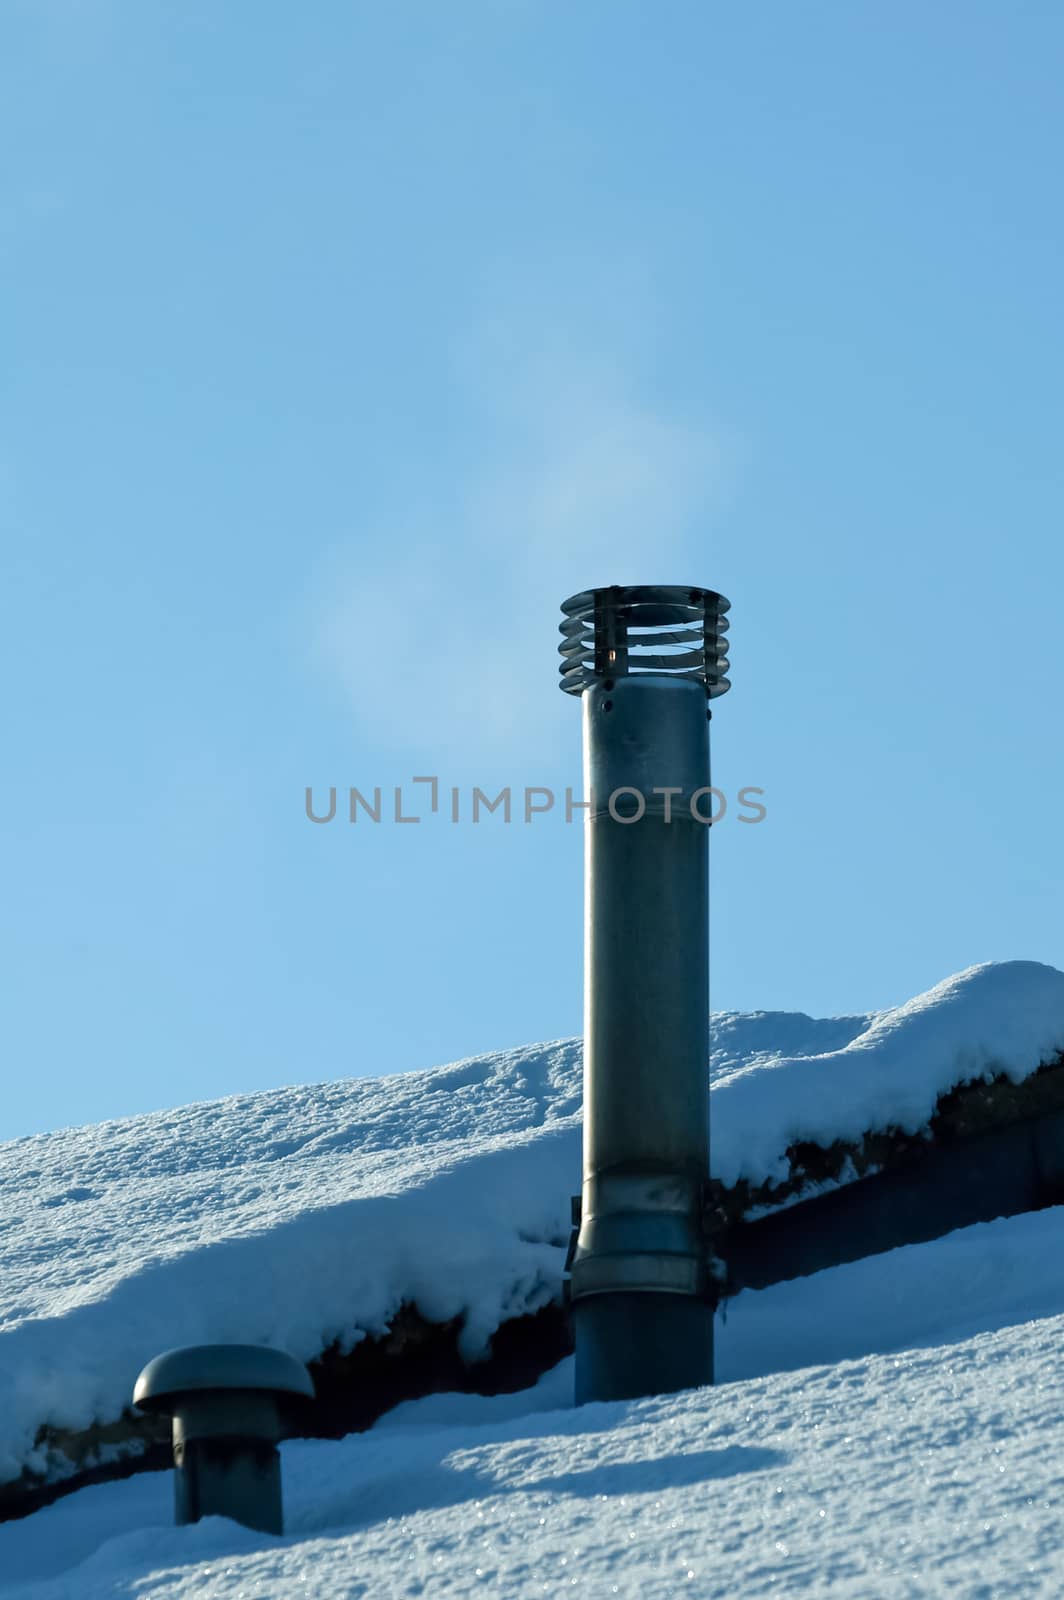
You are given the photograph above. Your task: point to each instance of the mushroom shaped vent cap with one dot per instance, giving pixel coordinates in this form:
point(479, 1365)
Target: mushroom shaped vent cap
point(219, 1366)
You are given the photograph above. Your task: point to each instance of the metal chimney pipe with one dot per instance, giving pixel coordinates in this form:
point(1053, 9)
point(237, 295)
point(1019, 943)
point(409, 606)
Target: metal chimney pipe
point(645, 661)
point(229, 1404)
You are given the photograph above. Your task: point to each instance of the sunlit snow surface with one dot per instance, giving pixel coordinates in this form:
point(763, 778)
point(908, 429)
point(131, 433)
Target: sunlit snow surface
point(934, 1471)
point(304, 1215)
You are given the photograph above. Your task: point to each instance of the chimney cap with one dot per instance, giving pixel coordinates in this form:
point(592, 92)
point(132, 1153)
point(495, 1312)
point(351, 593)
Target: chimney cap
point(194, 1368)
point(671, 630)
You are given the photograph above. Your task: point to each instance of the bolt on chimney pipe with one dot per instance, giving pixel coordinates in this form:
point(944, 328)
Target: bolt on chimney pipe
point(645, 662)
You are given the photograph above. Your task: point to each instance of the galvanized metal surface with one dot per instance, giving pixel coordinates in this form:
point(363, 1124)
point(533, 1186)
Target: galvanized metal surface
point(639, 1275)
point(228, 1404)
point(235, 1478)
point(629, 629)
point(218, 1366)
point(622, 1339)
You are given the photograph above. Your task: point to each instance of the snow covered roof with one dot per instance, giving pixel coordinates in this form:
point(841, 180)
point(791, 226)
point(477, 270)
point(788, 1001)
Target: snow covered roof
point(931, 1468)
point(308, 1216)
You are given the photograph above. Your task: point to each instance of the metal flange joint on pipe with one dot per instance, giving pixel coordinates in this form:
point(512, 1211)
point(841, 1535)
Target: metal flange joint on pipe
point(645, 661)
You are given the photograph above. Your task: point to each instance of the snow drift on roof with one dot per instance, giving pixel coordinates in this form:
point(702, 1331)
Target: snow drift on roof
point(931, 1467)
point(308, 1215)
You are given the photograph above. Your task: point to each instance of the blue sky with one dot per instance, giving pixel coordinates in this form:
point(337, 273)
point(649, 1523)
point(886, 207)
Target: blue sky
point(342, 342)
